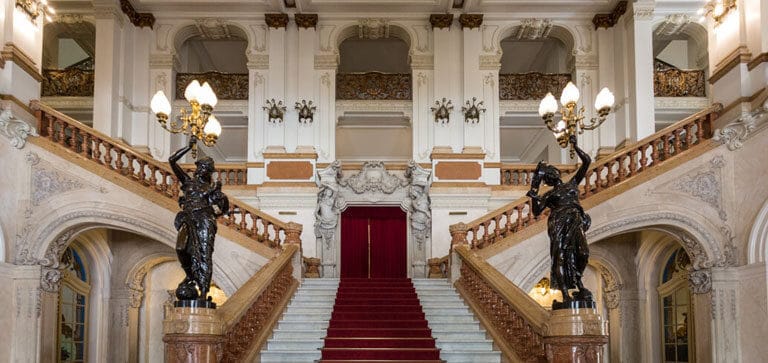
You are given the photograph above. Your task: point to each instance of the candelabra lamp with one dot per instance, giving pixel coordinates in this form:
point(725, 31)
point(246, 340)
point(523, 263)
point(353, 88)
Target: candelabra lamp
point(198, 123)
point(572, 117)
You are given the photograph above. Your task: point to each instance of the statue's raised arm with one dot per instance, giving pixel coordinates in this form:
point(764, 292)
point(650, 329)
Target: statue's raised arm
point(174, 159)
point(585, 162)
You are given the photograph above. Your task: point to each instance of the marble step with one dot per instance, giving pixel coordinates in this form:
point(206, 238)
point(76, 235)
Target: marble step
point(289, 356)
point(470, 357)
point(299, 334)
point(294, 344)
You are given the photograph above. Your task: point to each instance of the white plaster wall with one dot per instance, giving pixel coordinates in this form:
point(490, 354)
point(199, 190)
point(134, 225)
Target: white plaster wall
point(163, 277)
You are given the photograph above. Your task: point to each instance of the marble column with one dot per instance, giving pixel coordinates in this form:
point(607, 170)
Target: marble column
point(107, 78)
point(448, 84)
point(22, 48)
point(638, 24)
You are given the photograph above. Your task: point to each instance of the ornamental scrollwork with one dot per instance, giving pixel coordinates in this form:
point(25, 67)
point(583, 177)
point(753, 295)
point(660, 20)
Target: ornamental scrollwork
point(275, 110)
point(373, 177)
point(15, 129)
point(531, 85)
point(473, 110)
point(442, 110)
point(70, 82)
point(373, 86)
point(227, 86)
point(306, 111)
point(669, 81)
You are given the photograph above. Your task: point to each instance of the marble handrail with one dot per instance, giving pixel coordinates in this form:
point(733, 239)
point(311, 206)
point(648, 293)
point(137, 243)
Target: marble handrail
point(513, 318)
point(110, 154)
point(622, 165)
point(251, 313)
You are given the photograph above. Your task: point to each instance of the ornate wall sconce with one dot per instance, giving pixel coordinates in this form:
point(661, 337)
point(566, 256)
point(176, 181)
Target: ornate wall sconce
point(472, 111)
point(442, 110)
point(276, 110)
point(306, 111)
point(572, 119)
point(35, 8)
point(717, 9)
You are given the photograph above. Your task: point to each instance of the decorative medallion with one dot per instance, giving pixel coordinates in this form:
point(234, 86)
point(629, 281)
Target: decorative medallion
point(306, 21)
point(470, 21)
point(705, 185)
point(373, 177)
point(276, 20)
point(306, 111)
point(472, 111)
point(441, 21)
point(276, 110)
point(442, 111)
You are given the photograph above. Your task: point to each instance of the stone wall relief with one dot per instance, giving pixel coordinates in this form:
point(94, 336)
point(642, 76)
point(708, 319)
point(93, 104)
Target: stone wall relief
point(705, 185)
point(735, 133)
point(420, 214)
point(327, 213)
point(16, 130)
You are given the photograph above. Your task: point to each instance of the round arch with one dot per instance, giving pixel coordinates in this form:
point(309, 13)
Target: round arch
point(184, 31)
point(757, 247)
point(352, 29)
point(560, 32)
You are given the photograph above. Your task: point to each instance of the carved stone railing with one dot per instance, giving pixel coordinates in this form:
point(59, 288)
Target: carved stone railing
point(522, 174)
point(71, 82)
point(373, 86)
point(227, 86)
point(251, 313)
point(514, 320)
point(622, 165)
point(144, 174)
point(531, 85)
point(228, 174)
point(679, 83)
point(438, 267)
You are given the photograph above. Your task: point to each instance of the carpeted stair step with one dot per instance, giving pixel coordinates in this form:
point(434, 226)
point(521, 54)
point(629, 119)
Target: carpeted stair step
point(382, 308)
point(380, 353)
point(382, 332)
point(382, 342)
point(378, 315)
point(378, 324)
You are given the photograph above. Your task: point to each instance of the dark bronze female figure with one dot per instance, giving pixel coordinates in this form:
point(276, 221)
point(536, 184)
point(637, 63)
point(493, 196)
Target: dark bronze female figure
point(566, 227)
point(202, 201)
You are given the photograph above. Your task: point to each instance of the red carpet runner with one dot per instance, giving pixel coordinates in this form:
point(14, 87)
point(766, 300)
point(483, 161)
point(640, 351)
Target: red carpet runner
point(378, 320)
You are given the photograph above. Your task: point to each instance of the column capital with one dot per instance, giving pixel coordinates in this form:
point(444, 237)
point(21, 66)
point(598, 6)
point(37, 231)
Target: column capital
point(610, 19)
point(470, 21)
point(276, 20)
point(642, 10)
point(441, 21)
point(306, 21)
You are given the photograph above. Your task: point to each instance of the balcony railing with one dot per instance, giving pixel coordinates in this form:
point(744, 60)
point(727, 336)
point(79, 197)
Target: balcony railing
point(522, 174)
point(70, 82)
point(531, 85)
point(227, 86)
point(373, 86)
point(670, 81)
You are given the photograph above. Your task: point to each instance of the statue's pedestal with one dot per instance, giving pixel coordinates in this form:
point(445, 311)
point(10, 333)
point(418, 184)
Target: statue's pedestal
point(193, 335)
point(575, 335)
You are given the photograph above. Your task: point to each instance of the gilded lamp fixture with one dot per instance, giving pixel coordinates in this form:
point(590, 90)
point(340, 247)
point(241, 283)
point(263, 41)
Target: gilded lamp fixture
point(717, 9)
point(199, 123)
point(572, 119)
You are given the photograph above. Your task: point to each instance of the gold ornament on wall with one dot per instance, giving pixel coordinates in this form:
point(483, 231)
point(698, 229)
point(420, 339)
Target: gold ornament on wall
point(442, 110)
point(306, 111)
point(275, 110)
point(473, 110)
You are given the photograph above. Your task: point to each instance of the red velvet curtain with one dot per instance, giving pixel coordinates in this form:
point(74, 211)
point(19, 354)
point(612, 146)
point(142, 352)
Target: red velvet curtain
point(388, 229)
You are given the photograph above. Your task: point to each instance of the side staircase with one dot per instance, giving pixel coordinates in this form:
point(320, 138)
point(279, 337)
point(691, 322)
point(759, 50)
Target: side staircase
point(457, 333)
point(299, 335)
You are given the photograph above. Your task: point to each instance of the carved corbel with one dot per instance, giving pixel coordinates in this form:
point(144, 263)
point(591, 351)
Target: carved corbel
point(14, 129)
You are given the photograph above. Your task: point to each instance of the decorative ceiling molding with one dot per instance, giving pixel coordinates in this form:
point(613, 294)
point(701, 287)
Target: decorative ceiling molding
point(470, 21)
point(609, 20)
point(306, 21)
point(673, 24)
point(441, 21)
point(137, 19)
point(276, 20)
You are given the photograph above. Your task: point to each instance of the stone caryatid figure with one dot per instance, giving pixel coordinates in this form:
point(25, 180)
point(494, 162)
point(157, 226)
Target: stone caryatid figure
point(421, 205)
point(202, 201)
point(566, 227)
point(328, 202)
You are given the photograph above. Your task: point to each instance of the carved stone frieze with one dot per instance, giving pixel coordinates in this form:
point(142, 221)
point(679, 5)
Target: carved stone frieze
point(306, 21)
point(227, 86)
point(609, 20)
point(470, 21)
point(700, 281)
point(441, 21)
point(71, 82)
point(326, 61)
point(213, 28)
point(373, 28)
point(533, 29)
point(16, 130)
point(611, 287)
point(735, 133)
point(531, 85)
point(373, 177)
point(46, 181)
point(373, 86)
point(673, 25)
point(643, 11)
point(258, 61)
point(705, 185)
point(276, 20)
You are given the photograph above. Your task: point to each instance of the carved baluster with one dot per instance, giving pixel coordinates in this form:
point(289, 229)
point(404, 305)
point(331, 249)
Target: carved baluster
point(97, 149)
point(508, 226)
point(677, 141)
point(519, 222)
point(688, 135)
point(175, 187)
point(119, 153)
point(153, 176)
point(458, 234)
point(243, 225)
point(588, 183)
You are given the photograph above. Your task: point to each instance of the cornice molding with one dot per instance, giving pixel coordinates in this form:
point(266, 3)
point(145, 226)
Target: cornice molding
point(276, 20)
point(137, 19)
point(326, 61)
point(14, 54)
point(306, 21)
point(756, 61)
point(441, 21)
point(609, 20)
point(470, 21)
point(739, 55)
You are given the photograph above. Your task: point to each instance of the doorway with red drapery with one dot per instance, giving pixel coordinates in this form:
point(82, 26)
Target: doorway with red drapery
point(374, 242)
